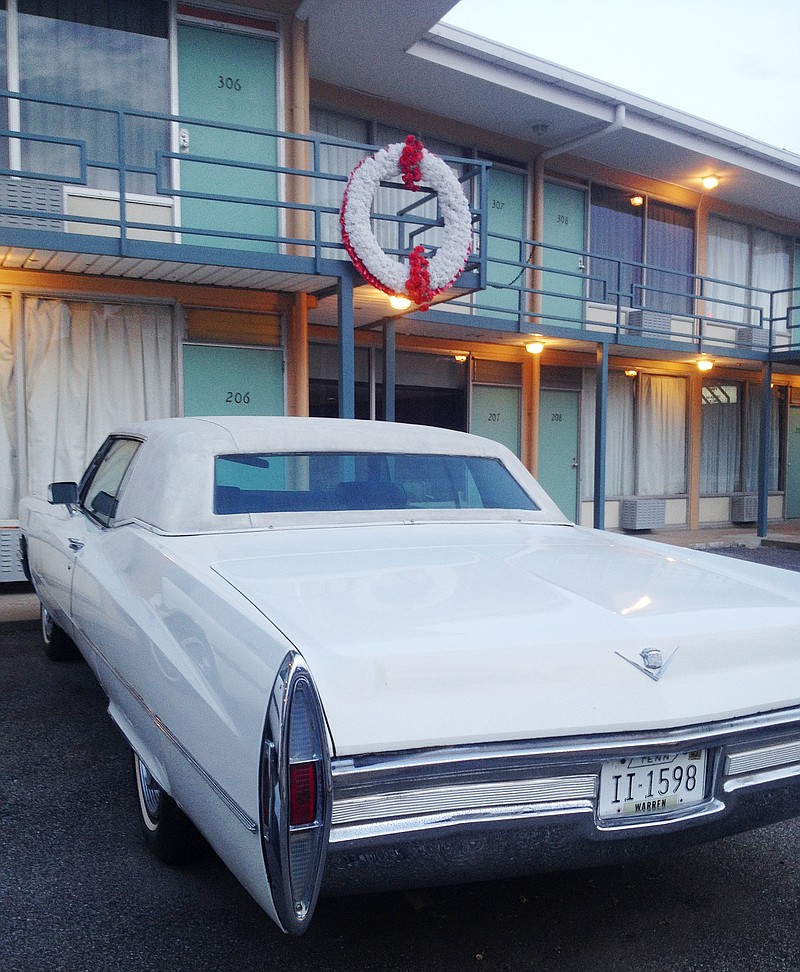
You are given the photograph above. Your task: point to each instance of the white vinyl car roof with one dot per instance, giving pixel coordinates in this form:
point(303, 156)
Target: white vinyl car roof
point(170, 487)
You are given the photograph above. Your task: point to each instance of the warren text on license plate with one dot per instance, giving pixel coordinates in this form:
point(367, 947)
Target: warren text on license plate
point(644, 786)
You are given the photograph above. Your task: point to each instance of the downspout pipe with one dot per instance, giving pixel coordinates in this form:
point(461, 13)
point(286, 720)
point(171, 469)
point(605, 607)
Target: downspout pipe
point(613, 126)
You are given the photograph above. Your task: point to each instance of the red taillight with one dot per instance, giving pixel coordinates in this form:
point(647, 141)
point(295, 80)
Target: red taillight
point(302, 794)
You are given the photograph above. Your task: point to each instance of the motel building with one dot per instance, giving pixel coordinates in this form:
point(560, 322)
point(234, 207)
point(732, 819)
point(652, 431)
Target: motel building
point(171, 176)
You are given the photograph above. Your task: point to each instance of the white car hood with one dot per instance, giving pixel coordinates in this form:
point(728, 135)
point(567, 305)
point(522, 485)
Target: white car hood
point(437, 634)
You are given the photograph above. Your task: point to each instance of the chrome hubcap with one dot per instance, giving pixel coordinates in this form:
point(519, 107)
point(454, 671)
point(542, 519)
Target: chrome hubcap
point(47, 624)
point(151, 792)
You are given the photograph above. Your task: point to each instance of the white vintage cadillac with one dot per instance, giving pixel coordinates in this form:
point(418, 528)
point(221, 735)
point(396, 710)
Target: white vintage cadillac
point(363, 656)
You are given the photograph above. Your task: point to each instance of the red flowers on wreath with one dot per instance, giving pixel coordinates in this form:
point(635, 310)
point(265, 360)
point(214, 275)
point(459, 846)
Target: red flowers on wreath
point(409, 164)
point(418, 285)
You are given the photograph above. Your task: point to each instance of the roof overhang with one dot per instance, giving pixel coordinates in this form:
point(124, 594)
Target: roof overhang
point(445, 71)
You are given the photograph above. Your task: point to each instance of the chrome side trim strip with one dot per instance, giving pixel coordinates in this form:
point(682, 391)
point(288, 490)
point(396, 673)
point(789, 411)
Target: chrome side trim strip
point(241, 815)
point(435, 800)
point(761, 777)
point(359, 769)
point(765, 758)
point(483, 818)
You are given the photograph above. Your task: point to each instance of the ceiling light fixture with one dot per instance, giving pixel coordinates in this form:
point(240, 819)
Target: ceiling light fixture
point(461, 358)
point(398, 302)
point(534, 347)
point(631, 372)
point(705, 364)
point(710, 182)
point(637, 200)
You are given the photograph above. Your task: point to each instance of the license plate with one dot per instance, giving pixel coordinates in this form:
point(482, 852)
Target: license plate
point(649, 786)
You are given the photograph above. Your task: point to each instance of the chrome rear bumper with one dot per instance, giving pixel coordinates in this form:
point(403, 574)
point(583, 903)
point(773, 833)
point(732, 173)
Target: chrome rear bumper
point(467, 813)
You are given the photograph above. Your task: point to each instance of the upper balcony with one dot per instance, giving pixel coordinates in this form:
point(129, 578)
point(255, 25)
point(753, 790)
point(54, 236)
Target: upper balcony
point(95, 190)
point(566, 294)
point(179, 199)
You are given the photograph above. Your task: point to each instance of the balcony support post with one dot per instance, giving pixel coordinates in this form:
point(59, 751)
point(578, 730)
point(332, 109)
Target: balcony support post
point(389, 369)
point(763, 447)
point(347, 354)
point(600, 427)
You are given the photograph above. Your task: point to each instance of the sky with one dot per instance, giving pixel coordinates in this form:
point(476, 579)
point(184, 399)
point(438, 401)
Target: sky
point(735, 63)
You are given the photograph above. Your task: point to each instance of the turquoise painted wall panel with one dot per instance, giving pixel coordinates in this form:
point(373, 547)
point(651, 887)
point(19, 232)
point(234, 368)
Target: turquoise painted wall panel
point(232, 381)
point(558, 448)
point(495, 414)
point(229, 78)
point(564, 226)
point(506, 216)
point(793, 464)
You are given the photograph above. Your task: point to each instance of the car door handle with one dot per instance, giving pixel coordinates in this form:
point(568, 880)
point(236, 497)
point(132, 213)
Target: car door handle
point(75, 544)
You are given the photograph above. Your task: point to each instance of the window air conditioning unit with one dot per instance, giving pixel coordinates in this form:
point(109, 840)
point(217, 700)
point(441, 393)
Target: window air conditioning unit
point(752, 337)
point(35, 195)
point(10, 562)
point(649, 322)
point(744, 508)
point(637, 513)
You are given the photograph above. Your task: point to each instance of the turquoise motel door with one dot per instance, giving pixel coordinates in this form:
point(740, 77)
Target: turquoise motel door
point(230, 78)
point(506, 218)
point(495, 414)
point(564, 226)
point(558, 448)
point(793, 464)
point(232, 381)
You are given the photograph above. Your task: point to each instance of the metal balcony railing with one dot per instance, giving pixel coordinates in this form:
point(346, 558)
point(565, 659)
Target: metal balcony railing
point(76, 170)
point(539, 288)
point(87, 178)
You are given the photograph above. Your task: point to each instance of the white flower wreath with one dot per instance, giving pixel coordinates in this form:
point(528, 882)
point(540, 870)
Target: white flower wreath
point(379, 268)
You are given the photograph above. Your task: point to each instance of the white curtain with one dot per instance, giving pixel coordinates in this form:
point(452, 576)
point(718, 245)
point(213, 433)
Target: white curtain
point(661, 435)
point(8, 412)
point(619, 434)
point(335, 160)
point(750, 257)
point(720, 438)
point(753, 435)
point(729, 260)
point(772, 270)
point(91, 367)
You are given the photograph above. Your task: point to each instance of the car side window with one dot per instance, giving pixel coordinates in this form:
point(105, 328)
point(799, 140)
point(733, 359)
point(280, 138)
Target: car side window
point(101, 492)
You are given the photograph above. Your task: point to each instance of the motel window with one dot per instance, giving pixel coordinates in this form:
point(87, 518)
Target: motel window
point(759, 261)
point(642, 251)
point(646, 445)
point(431, 389)
point(729, 443)
point(128, 68)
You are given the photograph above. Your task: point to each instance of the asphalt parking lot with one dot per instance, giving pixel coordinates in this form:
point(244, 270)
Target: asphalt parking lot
point(79, 892)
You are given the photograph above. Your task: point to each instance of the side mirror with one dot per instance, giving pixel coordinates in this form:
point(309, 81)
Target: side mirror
point(62, 494)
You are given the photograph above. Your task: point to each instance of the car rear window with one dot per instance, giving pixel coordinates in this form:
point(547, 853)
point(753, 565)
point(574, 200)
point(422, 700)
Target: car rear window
point(317, 482)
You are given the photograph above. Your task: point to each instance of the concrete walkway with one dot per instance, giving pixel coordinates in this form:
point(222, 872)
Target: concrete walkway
point(784, 534)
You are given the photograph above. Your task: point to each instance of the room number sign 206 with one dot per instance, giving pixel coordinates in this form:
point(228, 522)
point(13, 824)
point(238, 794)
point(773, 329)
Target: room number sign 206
point(237, 398)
